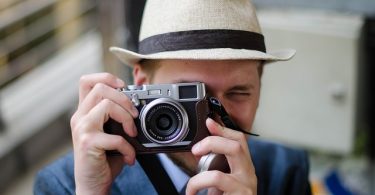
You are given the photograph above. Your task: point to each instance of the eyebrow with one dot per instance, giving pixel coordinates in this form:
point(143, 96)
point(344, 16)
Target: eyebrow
point(244, 87)
point(239, 87)
point(184, 81)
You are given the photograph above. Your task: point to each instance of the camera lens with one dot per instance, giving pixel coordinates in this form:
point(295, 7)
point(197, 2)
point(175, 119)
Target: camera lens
point(164, 121)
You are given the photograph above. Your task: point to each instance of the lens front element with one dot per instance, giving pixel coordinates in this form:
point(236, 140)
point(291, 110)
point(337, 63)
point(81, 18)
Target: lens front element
point(164, 122)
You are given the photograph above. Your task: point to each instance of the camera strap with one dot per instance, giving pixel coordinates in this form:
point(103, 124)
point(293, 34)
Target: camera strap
point(217, 108)
point(157, 174)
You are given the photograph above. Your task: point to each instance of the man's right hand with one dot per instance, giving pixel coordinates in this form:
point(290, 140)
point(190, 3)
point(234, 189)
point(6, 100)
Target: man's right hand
point(98, 101)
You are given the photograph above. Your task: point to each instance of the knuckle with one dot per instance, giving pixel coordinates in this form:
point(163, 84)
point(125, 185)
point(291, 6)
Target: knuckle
point(106, 103)
point(217, 175)
point(84, 141)
point(108, 77)
point(119, 141)
point(83, 79)
point(99, 87)
point(82, 125)
point(98, 92)
point(108, 106)
point(237, 147)
point(73, 120)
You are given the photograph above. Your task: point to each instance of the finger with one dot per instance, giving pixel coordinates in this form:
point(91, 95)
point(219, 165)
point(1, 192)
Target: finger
point(116, 142)
point(106, 109)
point(210, 179)
point(216, 129)
point(87, 82)
point(236, 150)
point(233, 150)
point(100, 92)
point(98, 143)
point(216, 144)
point(112, 110)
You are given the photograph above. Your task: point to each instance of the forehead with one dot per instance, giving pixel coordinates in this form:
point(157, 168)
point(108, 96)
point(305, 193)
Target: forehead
point(207, 71)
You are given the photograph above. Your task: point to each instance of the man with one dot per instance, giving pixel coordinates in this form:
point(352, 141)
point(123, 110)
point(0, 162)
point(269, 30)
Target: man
point(216, 42)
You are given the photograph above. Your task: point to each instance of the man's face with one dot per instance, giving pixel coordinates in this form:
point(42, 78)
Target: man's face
point(235, 83)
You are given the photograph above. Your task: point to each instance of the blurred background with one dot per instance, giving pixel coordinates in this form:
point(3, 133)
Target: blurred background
point(321, 101)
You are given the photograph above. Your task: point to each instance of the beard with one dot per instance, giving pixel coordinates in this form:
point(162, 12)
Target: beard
point(186, 161)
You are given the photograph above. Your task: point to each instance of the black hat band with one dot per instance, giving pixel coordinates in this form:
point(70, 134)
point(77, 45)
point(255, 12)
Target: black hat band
point(202, 39)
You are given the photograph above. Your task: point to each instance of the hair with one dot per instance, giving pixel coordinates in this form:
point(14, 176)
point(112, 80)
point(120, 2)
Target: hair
point(149, 67)
point(260, 68)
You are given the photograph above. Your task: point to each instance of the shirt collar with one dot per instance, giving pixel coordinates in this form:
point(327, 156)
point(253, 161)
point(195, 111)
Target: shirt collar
point(178, 177)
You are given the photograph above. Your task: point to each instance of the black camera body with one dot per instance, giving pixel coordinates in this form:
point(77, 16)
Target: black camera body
point(171, 117)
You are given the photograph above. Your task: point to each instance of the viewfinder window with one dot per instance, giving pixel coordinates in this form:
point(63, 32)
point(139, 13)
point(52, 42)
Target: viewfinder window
point(187, 92)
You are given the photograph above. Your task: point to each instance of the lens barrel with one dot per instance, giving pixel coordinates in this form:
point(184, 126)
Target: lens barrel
point(164, 121)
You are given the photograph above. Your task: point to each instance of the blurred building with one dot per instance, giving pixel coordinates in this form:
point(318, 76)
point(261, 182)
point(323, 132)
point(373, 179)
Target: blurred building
point(45, 45)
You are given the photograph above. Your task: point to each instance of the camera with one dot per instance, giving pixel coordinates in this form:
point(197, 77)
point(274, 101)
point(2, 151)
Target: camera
point(171, 117)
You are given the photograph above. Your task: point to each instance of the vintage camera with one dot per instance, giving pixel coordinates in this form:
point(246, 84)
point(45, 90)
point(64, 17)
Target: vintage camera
point(171, 117)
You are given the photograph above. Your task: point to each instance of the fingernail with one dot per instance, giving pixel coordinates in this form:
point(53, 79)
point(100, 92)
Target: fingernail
point(210, 120)
point(127, 159)
point(214, 122)
point(135, 131)
point(132, 161)
point(134, 111)
point(196, 147)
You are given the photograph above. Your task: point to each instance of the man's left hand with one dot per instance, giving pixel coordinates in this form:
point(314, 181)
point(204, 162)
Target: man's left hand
point(232, 144)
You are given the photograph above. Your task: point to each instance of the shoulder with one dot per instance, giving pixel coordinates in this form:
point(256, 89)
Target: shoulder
point(266, 151)
point(279, 169)
point(56, 178)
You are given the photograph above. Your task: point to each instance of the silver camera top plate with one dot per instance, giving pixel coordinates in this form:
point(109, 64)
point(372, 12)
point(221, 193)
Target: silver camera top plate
point(174, 91)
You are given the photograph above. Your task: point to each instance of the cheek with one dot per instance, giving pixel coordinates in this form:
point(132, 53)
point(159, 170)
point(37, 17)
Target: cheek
point(246, 117)
point(242, 113)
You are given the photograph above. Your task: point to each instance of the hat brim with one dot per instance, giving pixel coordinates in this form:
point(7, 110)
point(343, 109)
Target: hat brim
point(130, 58)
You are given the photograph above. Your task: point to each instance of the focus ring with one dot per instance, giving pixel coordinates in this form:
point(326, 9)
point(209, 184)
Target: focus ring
point(182, 130)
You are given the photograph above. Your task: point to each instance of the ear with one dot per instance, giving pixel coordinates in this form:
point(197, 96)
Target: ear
point(139, 75)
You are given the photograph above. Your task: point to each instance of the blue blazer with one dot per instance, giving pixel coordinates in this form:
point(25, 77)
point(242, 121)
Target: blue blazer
point(279, 169)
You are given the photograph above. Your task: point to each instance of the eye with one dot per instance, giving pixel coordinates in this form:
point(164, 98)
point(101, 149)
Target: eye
point(238, 95)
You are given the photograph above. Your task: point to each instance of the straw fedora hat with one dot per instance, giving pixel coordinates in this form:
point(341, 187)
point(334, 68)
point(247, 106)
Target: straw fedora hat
point(200, 30)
